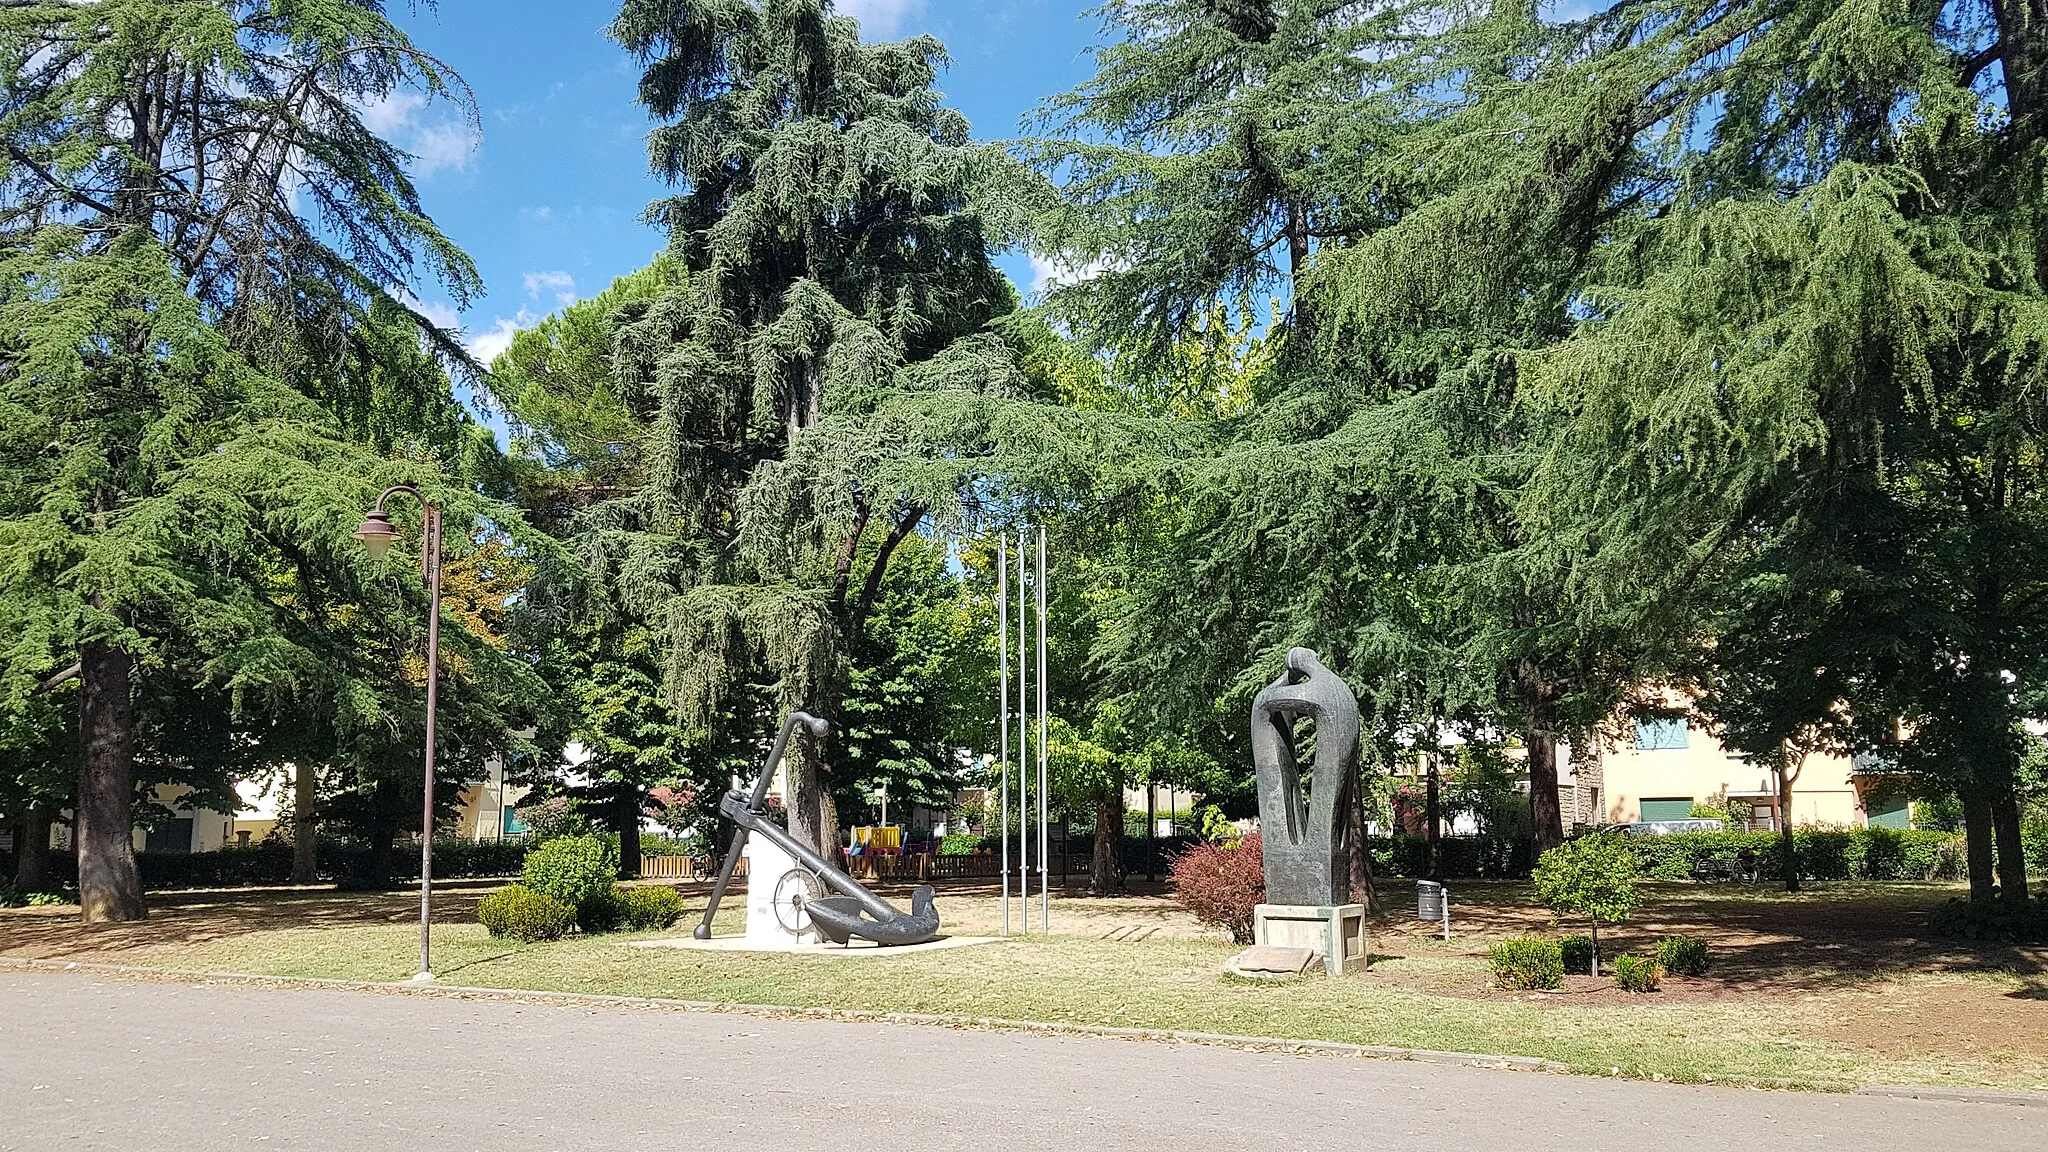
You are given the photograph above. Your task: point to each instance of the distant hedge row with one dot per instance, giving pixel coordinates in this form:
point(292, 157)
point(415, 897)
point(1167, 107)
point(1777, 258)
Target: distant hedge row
point(271, 863)
point(1823, 854)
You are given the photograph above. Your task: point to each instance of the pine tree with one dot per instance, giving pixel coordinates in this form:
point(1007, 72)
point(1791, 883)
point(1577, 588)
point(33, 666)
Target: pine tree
point(827, 382)
point(201, 241)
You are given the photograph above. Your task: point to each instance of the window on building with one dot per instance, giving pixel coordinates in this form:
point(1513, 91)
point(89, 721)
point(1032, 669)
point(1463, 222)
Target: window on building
point(1661, 732)
point(1667, 808)
point(513, 825)
point(170, 836)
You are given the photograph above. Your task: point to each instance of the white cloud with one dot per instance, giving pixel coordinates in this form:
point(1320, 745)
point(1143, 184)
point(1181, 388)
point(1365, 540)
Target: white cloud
point(489, 345)
point(560, 284)
point(1048, 272)
point(880, 17)
point(447, 143)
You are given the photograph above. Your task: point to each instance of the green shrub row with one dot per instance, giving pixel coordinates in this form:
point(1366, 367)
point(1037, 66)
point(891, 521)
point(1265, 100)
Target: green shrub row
point(270, 863)
point(1536, 962)
point(1994, 920)
point(520, 912)
point(1823, 853)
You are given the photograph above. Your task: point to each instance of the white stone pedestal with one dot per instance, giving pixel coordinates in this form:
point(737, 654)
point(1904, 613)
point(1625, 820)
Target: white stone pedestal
point(766, 866)
point(1336, 933)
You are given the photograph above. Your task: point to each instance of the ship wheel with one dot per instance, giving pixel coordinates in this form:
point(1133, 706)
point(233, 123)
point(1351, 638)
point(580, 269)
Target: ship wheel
point(796, 888)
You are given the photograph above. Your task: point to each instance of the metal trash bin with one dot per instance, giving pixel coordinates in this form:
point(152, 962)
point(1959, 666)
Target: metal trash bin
point(1429, 900)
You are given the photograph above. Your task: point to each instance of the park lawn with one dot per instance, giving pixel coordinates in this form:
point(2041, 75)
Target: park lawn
point(1164, 984)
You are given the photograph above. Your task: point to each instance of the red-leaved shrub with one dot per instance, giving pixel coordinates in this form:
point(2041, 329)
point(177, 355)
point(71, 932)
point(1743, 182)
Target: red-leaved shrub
point(1222, 885)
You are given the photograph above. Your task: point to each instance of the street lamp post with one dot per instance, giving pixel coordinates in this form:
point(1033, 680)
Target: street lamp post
point(378, 535)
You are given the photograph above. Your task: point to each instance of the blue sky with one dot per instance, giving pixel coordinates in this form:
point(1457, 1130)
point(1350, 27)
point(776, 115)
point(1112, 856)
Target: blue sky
point(548, 200)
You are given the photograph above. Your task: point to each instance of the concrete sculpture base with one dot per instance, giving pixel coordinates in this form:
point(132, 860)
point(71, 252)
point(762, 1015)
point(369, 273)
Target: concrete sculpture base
point(1334, 932)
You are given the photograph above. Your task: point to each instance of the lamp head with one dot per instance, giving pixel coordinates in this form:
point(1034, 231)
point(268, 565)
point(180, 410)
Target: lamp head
point(377, 534)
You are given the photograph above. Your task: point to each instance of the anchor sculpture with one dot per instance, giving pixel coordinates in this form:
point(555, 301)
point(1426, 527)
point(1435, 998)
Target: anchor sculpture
point(855, 911)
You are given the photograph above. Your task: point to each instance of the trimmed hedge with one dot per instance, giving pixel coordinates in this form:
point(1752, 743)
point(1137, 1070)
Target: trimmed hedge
point(1526, 963)
point(577, 870)
point(1824, 854)
point(525, 915)
point(270, 863)
point(647, 908)
point(1577, 952)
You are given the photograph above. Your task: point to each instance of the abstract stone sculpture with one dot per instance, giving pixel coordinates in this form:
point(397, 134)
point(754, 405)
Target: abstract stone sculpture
point(1304, 845)
point(839, 917)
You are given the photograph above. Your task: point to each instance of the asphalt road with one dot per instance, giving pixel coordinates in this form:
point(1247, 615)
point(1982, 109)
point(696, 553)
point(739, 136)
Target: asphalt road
point(89, 1062)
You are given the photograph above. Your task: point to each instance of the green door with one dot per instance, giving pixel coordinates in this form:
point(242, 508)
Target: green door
point(1678, 808)
point(1893, 813)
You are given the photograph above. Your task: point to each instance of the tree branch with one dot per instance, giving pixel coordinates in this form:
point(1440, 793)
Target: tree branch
point(912, 517)
point(46, 176)
point(57, 681)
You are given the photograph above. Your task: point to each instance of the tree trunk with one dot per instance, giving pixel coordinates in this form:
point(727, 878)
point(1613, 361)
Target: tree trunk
point(32, 851)
point(1432, 821)
point(1106, 869)
point(2012, 855)
point(813, 817)
point(1595, 969)
point(103, 824)
point(1977, 840)
point(1788, 848)
point(305, 831)
point(1539, 736)
point(1358, 852)
point(626, 820)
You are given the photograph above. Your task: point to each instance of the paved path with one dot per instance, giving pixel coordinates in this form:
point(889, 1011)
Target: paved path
point(89, 1062)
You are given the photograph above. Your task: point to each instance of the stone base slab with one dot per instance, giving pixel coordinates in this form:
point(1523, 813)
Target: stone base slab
point(1334, 932)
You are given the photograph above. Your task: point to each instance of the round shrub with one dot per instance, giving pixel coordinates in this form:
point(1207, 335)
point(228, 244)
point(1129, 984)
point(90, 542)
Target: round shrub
point(603, 912)
point(1527, 962)
point(1222, 885)
point(1636, 973)
point(1578, 954)
point(651, 907)
point(573, 869)
point(525, 915)
point(1682, 956)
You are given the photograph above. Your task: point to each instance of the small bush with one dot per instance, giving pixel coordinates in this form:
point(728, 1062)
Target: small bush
point(573, 869)
point(1993, 920)
point(1527, 962)
point(1683, 956)
point(1636, 973)
point(1222, 885)
point(960, 845)
point(1578, 954)
point(11, 898)
point(525, 915)
point(651, 907)
point(602, 912)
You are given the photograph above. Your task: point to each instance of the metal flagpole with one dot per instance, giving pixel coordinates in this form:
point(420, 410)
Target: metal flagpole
point(1003, 642)
point(1023, 739)
point(1044, 891)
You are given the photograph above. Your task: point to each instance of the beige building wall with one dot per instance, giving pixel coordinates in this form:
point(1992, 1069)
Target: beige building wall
point(1826, 791)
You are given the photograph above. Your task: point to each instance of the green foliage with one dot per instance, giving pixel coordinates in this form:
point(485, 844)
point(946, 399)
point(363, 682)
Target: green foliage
point(1680, 956)
point(1577, 952)
point(960, 844)
point(576, 870)
point(11, 898)
point(1823, 853)
point(1637, 974)
point(1527, 963)
point(647, 908)
point(1997, 920)
point(525, 915)
point(604, 910)
point(1591, 876)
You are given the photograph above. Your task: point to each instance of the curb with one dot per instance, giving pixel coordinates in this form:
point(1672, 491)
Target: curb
point(987, 1023)
point(1956, 1095)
